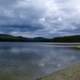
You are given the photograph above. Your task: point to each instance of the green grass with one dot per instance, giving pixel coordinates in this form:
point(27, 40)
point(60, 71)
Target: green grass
point(71, 73)
point(77, 47)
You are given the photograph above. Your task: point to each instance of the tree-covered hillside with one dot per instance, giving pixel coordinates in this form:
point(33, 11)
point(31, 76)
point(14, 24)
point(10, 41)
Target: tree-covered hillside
point(10, 38)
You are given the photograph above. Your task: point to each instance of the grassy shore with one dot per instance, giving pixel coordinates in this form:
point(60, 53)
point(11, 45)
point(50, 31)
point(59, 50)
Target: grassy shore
point(71, 73)
point(77, 47)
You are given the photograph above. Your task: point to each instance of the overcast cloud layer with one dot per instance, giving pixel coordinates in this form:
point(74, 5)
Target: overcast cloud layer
point(40, 17)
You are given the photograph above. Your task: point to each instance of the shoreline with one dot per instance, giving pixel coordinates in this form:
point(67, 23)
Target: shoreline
point(75, 67)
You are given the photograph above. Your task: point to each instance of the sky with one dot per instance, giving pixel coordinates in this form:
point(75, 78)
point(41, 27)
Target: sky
point(43, 18)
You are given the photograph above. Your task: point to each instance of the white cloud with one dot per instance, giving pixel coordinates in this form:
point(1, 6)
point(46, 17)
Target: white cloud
point(52, 15)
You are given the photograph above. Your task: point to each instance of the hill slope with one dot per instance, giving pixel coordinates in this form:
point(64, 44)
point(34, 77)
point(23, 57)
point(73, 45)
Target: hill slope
point(67, 39)
point(75, 38)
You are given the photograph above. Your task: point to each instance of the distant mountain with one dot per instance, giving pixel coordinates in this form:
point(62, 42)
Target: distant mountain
point(10, 38)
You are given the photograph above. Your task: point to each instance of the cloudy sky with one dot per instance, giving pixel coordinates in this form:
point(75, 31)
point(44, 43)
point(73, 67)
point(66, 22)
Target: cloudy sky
point(47, 18)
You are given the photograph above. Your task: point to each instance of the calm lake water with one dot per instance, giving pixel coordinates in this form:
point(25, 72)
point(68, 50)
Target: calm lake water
point(28, 61)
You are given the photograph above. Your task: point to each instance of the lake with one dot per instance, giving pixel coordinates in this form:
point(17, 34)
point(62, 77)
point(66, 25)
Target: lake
point(28, 61)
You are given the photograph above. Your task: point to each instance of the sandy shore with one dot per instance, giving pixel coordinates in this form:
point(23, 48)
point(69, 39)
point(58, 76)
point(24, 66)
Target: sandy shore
point(70, 73)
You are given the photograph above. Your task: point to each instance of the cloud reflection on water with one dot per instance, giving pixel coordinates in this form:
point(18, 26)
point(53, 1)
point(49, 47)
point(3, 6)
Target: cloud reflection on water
point(30, 58)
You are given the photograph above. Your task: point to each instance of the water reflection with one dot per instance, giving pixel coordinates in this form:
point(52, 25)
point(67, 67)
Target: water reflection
point(31, 60)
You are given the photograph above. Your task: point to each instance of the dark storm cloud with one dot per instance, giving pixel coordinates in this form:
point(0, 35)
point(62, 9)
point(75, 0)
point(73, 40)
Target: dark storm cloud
point(39, 17)
point(5, 3)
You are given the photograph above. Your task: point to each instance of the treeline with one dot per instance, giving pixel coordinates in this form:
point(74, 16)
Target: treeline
point(10, 38)
point(68, 39)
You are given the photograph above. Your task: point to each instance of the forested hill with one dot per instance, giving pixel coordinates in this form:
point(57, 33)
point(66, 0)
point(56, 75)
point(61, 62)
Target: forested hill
point(10, 38)
point(75, 38)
